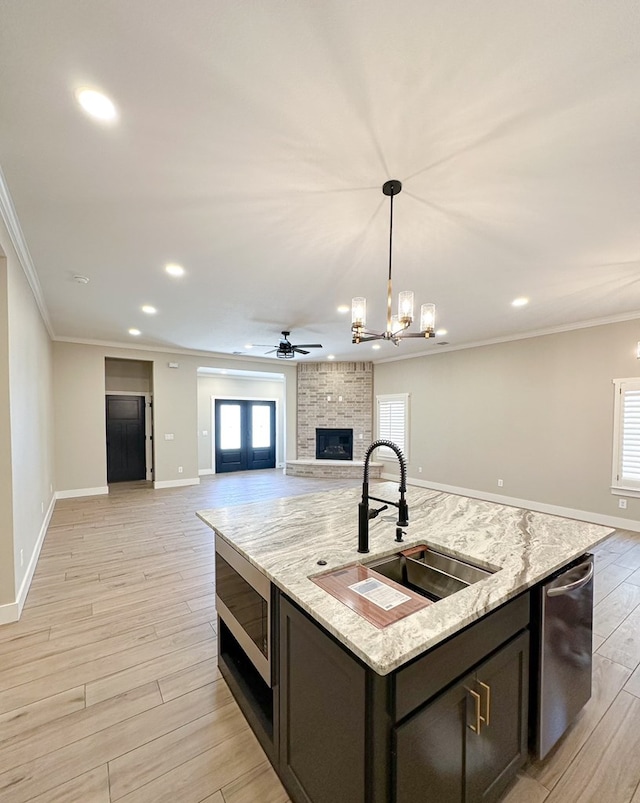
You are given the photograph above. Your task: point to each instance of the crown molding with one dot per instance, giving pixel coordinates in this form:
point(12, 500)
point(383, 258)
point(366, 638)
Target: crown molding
point(553, 330)
point(10, 218)
point(115, 344)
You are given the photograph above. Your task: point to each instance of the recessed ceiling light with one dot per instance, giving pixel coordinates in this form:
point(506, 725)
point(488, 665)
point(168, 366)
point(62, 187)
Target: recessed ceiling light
point(149, 309)
point(248, 345)
point(331, 356)
point(376, 346)
point(343, 308)
point(135, 332)
point(96, 105)
point(175, 270)
point(520, 302)
point(441, 332)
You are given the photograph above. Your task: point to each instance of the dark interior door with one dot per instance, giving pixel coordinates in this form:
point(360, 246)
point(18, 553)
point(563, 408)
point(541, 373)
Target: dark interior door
point(245, 435)
point(125, 439)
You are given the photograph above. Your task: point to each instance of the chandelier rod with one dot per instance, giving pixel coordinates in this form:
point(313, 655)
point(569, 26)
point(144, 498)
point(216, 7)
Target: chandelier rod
point(390, 232)
point(389, 290)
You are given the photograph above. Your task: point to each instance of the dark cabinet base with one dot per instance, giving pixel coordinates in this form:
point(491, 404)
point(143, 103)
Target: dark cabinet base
point(336, 732)
point(469, 742)
point(322, 714)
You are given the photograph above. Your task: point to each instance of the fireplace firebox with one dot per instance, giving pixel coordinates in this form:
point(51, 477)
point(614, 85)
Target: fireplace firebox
point(334, 444)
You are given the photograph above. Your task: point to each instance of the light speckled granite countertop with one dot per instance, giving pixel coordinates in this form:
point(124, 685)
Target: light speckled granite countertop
point(285, 538)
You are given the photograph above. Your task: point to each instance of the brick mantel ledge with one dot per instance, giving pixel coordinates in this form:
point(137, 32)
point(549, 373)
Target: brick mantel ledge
point(331, 469)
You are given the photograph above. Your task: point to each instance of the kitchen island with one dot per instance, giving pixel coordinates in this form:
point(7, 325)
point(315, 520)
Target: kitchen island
point(345, 709)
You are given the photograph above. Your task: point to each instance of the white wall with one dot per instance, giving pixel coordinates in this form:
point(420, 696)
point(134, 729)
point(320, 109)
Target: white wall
point(26, 427)
point(79, 392)
point(80, 424)
point(128, 376)
point(536, 413)
point(7, 572)
point(236, 387)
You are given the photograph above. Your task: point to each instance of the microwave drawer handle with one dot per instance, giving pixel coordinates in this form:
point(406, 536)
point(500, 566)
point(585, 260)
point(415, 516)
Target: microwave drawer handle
point(560, 590)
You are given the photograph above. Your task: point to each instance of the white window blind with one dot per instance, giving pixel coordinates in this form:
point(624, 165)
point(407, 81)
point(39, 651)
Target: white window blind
point(392, 422)
point(626, 446)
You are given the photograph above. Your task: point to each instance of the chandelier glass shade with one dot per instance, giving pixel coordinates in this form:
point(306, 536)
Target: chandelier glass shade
point(397, 325)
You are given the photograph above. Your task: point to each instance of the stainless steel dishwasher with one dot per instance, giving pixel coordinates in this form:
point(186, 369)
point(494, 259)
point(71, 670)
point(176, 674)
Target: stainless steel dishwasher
point(563, 671)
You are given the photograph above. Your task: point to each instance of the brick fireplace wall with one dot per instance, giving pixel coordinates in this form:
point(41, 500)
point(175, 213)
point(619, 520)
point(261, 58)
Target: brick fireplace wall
point(321, 385)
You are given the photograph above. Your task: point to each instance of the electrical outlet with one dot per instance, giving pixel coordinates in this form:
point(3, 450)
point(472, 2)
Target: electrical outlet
point(622, 503)
point(179, 469)
point(168, 436)
point(500, 483)
point(419, 469)
point(22, 557)
point(205, 432)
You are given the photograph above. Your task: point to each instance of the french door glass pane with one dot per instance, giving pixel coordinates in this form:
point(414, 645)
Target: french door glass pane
point(260, 426)
point(230, 437)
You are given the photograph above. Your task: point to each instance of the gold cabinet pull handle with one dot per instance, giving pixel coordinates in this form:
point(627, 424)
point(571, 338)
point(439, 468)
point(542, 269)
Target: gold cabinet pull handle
point(476, 699)
point(487, 710)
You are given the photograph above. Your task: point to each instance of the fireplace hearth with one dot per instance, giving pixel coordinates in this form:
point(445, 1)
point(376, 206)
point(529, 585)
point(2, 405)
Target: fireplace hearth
point(334, 444)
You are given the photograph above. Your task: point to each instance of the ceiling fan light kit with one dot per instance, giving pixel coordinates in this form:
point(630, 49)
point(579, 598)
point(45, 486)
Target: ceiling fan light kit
point(286, 350)
point(397, 325)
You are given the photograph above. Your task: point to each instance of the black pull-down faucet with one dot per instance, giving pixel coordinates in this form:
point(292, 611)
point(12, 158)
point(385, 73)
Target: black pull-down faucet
point(365, 513)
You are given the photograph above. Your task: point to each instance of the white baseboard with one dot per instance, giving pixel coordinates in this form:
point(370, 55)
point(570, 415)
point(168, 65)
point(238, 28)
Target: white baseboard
point(527, 504)
point(12, 611)
point(9, 613)
point(26, 583)
point(104, 489)
point(204, 471)
point(176, 483)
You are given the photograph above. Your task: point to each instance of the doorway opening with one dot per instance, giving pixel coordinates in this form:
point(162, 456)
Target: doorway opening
point(245, 434)
point(128, 413)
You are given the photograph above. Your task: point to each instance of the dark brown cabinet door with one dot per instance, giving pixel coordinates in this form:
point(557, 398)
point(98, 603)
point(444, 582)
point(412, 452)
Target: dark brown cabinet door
point(430, 751)
point(495, 754)
point(466, 745)
point(322, 714)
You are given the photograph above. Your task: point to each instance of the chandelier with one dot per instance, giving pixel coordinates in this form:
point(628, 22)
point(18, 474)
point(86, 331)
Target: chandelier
point(397, 325)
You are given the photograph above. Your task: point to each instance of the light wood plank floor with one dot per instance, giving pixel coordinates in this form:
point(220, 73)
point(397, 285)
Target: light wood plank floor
point(109, 688)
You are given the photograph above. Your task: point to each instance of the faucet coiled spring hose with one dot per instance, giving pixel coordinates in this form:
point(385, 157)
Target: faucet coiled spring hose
point(363, 507)
point(394, 448)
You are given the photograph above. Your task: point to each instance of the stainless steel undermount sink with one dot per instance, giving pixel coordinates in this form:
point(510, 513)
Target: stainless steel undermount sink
point(428, 572)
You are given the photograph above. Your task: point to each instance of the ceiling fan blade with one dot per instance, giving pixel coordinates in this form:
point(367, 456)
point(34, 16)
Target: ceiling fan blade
point(308, 345)
point(275, 348)
point(300, 351)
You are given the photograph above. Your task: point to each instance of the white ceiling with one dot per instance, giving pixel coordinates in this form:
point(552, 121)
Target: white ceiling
point(253, 140)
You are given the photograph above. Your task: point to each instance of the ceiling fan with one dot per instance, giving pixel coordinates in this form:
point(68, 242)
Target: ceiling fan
point(286, 350)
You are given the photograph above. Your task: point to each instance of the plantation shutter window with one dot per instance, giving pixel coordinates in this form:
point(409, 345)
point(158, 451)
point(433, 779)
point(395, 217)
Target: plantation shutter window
point(392, 422)
point(626, 446)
